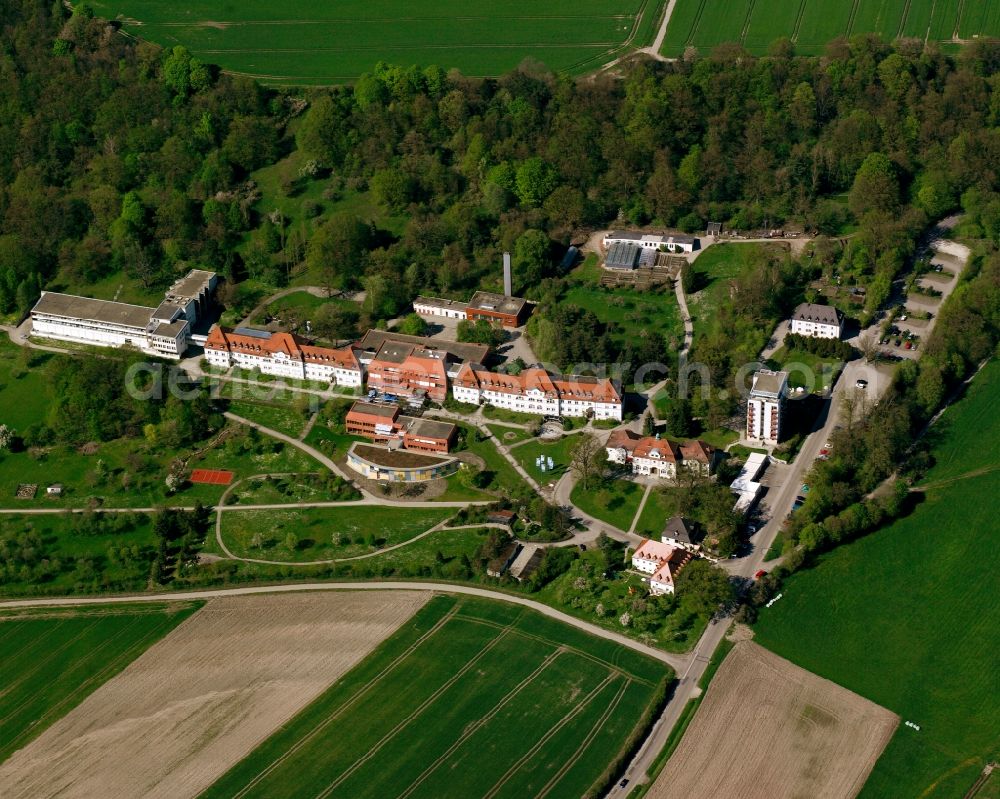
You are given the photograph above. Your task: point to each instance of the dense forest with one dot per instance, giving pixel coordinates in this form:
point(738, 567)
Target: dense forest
point(121, 156)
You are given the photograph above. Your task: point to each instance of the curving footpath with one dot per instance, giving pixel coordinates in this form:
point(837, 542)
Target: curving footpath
point(676, 662)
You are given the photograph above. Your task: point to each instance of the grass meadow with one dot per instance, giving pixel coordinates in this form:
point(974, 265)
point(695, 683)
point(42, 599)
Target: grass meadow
point(909, 618)
point(810, 24)
point(629, 313)
point(309, 42)
point(559, 450)
point(713, 270)
point(507, 704)
point(52, 660)
point(325, 533)
point(615, 501)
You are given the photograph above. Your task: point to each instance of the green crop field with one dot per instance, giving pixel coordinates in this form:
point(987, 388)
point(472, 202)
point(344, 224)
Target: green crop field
point(810, 24)
point(52, 660)
point(470, 698)
point(309, 42)
point(908, 617)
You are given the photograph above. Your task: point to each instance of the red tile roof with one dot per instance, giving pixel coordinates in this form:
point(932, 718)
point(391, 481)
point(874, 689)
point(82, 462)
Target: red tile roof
point(220, 338)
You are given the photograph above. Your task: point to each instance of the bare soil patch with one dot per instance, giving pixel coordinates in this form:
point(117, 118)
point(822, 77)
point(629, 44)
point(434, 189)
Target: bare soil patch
point(202, 698)
point(770, 729)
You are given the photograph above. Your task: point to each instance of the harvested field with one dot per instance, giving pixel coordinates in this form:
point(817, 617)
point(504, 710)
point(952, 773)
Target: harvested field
point(202, 698)
point(768, 728)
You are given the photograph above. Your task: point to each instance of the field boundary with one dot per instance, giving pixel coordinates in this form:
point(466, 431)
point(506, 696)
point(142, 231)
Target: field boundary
point(346, 705)
point(475, 726)
point(575, 711)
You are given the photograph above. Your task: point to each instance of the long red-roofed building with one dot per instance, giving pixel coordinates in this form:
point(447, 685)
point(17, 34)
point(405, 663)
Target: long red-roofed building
point(538, 391)
point(282, 354)
point(409, 370)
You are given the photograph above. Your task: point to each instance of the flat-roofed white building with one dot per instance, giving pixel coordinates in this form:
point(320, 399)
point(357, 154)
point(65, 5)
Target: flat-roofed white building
point(102, 323)
point(434, 306)
point(164, 330)
point(766, 405)
point(818, 321)
point(675, 242)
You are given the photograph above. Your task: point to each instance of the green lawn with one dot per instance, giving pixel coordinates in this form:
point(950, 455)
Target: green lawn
point(23, 388)
point(907, 617)
point(813, 372)
point(627, 312)
point(325, 533)
point(963, 429)
point(277, 416)
point(508, 435)
point(52, 660)
point(810, 24)
point(654, 516)
point(714, 268)
point(505, 477)
point(614, 501)
point(508, 703)
point(309, 42)
point(559, 450)
point(133, 473)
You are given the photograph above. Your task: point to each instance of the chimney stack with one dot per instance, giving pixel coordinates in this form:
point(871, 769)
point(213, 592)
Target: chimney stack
point(508, 288)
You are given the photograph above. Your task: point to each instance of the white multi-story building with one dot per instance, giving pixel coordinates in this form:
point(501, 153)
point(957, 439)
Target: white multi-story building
point(661, 562)
point(283, 355)
point(536, 391)
point(818, 321)
point(163, 330)
point(677, 242)
point(765, 406)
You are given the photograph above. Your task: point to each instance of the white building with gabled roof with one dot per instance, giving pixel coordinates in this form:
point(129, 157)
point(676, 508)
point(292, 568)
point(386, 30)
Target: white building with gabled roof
point(817, 321)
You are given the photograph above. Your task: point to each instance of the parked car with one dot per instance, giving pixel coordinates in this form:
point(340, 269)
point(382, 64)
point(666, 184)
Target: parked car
point(861, 384)
point(805, 488)
point(759, 573)
point(909, 345)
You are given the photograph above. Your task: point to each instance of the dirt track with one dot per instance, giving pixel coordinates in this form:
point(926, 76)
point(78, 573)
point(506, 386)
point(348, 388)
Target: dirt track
point(768, 729)
point(198, 701)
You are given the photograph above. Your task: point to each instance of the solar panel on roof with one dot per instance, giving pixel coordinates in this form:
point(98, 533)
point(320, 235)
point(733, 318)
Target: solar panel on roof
point(246, 331)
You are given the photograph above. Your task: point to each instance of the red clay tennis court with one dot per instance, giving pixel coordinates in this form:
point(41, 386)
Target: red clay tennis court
point(218, 477)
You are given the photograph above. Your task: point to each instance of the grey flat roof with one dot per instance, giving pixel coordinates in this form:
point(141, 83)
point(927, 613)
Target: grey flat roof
point(394, 352)
point(501, 303)
point(105, 311)
point(821, 314)
point(769, 383)
point(374, 410)
point(374, 339)
point(427, 427)
point(170, 329)
point(437, 302)
point(192, 284)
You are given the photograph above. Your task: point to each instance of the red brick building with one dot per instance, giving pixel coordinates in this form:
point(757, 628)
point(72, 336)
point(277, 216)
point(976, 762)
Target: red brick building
point(497, 308)
point(385, 424)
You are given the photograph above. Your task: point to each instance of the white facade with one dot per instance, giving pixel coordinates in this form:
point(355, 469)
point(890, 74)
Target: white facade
point(163, 331)
point(281, 355)
point(817, 321)
point(432, 306)
point(113, 325)
point(765, 406)
point(651, 241)
point(535, 391)
point(815, 329)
